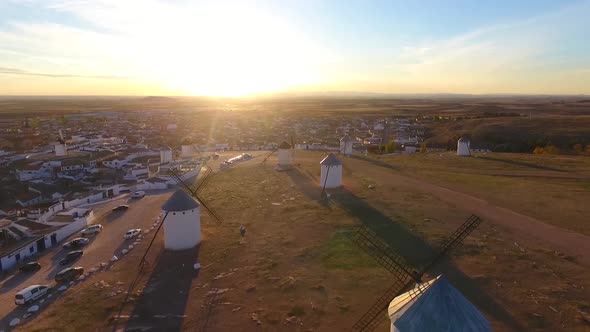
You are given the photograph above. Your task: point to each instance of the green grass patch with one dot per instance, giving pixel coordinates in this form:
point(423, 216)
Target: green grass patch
point(341, 253)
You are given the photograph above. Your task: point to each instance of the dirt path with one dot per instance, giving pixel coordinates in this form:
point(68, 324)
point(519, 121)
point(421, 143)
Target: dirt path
point(567, 241)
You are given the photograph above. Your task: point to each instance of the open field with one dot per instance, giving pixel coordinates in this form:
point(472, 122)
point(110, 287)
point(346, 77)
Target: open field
point(549, 188)
point(296, 269)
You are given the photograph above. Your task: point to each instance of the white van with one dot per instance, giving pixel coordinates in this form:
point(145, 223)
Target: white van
point(94, 229)
point(138, 194)
point(31, 293)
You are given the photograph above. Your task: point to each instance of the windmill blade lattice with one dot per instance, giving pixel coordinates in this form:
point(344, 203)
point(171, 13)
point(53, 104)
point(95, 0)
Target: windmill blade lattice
point(406, 279)
point(375, 315)
point(194, 193)
point(454, 240)
point(374, 246)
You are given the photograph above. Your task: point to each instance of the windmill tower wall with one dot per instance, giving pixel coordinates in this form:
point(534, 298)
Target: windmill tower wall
point(334, 176)
point(61, 149)
point(182, 224)
point(463, 147)
point(165, 155)
point(331, 172)
point(182, 229)
point(346, 145)
point(285, 157)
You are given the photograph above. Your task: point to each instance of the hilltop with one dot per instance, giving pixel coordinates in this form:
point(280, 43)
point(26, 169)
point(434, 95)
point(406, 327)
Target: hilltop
point(296, 269)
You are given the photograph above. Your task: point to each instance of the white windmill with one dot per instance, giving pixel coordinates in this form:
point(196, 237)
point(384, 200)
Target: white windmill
point(165, 155)
point(61, 149)
point(330, 172)
point(346, 145)
point(463, 147)
point(182, 229)
point(285, 154)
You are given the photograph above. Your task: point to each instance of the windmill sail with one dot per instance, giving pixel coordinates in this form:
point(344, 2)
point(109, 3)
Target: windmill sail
point(405, 277)
point(195, 193)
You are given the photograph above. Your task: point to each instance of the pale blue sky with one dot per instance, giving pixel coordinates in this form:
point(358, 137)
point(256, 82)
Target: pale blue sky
point(244, 47)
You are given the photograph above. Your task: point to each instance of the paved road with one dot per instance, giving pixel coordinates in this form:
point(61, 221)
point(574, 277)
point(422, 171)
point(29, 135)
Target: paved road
point(110, 241)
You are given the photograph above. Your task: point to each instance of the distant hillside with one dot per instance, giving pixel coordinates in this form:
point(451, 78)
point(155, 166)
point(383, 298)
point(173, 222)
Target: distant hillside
point(513, 134)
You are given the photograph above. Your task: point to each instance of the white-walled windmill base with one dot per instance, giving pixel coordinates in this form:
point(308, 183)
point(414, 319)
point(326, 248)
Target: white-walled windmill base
point(463, 149)
point(334, 176)
point(346, 147)
point(182, 229)
point(285, 157)
point(165, 156)
point(61, 150)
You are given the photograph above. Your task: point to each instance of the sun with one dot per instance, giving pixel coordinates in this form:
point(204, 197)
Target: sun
point(227, 52)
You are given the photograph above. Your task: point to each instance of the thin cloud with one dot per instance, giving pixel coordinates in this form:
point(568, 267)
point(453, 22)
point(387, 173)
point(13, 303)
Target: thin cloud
point(16, 71)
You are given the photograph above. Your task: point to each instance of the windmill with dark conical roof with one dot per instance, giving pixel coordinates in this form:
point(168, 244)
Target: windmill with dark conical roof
point(435, 306)
point(182, 229)
point(182, 215)
point(286, 154)
point(330, 172)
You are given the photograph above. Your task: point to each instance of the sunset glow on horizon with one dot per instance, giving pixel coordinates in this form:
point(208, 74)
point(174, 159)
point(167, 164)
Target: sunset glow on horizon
point(108, 47)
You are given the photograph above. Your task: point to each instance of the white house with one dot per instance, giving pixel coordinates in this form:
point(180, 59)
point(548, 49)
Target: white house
point(346, 145)
point(35, 237)
point(182, 224)
point(330, 172)
point(435, 306)
point(29, 198)
point(463, 145)
point(115, 163)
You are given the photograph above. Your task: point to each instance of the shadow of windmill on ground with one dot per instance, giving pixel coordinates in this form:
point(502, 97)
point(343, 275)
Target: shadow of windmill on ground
point(161, 306)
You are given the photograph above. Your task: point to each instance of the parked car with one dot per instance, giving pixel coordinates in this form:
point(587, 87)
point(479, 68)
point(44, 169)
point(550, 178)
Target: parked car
point(31, 293)
point(94, 229)
point(138, 194)
point(30, 267)
point(71, 256)
point(132, 233)
point(76, 243)
point(120, 208)
point(69, 274)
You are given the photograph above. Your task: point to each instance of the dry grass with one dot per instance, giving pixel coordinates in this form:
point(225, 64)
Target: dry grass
point(549, 188)
point(296, 270)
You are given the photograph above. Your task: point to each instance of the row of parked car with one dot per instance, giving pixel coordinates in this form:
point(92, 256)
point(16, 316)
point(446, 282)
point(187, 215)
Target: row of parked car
point(34, 292)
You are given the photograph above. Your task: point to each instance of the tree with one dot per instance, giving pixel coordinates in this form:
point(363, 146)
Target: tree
point(551, 149)
point(389, 147)
point(35, 122)
point(423, 148)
